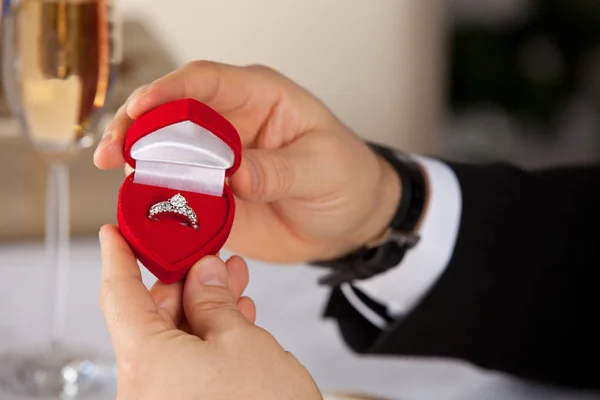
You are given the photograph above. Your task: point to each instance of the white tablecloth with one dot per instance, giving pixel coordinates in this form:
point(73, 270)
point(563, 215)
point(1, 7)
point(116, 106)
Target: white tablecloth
point(289, 305)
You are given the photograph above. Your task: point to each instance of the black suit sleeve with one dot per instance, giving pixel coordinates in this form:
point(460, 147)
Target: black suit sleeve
point(521, 292)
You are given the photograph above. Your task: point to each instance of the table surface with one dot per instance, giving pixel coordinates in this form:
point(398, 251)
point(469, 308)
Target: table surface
point(294, 318)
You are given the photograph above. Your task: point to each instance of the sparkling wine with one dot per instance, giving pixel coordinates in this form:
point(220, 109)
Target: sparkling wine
point(57, 58)
point(62, 64)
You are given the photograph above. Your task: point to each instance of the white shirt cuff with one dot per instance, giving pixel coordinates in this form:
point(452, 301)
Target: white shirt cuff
point(402, 287)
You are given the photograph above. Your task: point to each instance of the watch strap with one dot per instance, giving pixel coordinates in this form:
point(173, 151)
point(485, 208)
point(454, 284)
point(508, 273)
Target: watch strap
point(414, 188)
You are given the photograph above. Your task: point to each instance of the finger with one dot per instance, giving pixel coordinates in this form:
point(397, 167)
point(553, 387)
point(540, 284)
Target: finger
point(245, 96)
point(270, 175)
point(223, 87)
point(248, 308)
point(109, 153)
point(238, 273)
point(127, 305)
point(208, 300)
point(168, 300)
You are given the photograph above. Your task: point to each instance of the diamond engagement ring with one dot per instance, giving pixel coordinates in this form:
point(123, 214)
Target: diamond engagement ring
point(175, 205)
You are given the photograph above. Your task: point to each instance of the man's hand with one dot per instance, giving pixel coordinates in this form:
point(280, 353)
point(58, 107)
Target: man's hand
point(308, 188)
point(195, 340)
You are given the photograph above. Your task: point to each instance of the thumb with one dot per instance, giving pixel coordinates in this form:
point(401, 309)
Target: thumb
point(208, 299)
point(269, 175)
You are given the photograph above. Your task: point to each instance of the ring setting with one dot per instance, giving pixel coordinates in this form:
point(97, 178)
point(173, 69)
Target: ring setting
point(175, 205)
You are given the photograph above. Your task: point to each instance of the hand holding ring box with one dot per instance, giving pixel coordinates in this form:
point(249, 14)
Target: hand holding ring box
point(175, 207)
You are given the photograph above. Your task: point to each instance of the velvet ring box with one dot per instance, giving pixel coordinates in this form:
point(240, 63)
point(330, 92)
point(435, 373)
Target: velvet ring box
point(182, 147)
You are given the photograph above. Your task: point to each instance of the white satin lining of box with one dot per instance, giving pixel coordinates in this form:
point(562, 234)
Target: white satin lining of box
point(183, 156)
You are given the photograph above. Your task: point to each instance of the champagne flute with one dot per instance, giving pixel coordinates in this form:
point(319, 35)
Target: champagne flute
point(58, 58)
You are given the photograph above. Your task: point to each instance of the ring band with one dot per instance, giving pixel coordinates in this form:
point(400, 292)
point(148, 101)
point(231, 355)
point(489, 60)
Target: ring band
point(175, 205)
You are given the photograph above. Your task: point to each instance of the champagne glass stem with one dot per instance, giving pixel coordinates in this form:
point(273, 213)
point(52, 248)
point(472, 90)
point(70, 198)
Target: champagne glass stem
point(57, 245)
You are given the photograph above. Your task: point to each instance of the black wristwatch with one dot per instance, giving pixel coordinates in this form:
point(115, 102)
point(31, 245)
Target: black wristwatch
point(389, 250)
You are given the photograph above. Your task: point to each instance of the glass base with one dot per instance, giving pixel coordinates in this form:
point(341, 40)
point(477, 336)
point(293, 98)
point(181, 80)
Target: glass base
point(56, 372)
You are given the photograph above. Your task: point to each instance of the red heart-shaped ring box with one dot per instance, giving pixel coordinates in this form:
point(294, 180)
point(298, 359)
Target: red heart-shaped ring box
point(180, 147)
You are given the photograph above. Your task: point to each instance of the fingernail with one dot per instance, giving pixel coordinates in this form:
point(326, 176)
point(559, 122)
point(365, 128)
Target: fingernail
point(100, 235)
point(135, 96)
point(254, 173)
point(211, 271)
point(107, 137)
point(137, 92)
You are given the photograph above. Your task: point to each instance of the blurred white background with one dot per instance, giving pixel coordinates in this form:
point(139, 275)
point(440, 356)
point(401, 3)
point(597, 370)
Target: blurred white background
point(378, 64)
